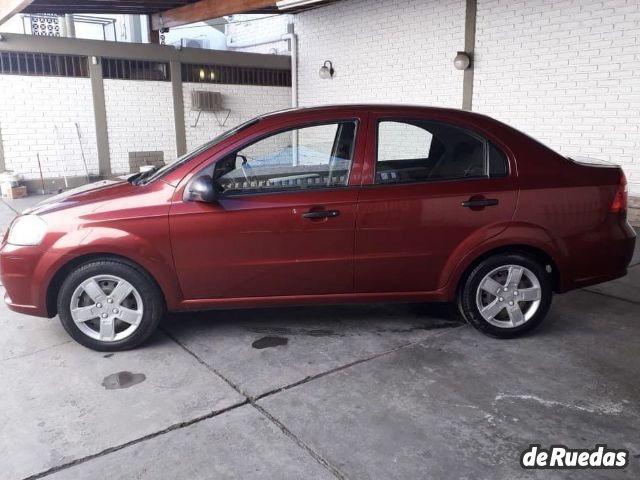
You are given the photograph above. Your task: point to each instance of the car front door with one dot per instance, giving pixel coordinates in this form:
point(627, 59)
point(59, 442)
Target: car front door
point(432, 190)
point(283, 223)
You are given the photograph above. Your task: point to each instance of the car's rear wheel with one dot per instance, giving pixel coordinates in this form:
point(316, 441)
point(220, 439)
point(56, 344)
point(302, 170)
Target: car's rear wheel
point(109, 305)
point(506, 295)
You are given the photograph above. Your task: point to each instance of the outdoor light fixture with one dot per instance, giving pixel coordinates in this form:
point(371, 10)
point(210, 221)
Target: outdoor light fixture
point(326, 72)
point(286, 4)
point(201, 74)
point(462, 61)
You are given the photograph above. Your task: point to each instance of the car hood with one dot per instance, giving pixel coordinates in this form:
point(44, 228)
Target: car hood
point(100, 191)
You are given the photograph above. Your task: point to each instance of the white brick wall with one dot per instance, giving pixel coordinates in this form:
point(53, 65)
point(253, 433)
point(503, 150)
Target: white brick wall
point(257, 28)
point(245, 102)
point(139, 118)
point(565, 71)
point(382, 51)
point(30, 110)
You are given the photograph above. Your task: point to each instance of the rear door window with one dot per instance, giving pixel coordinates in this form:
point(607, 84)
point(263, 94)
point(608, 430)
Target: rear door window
point(411, 151)
point(498, 164)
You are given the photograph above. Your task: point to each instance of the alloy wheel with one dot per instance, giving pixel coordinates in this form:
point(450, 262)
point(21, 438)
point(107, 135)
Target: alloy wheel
point(106, 308)
point(508, 296)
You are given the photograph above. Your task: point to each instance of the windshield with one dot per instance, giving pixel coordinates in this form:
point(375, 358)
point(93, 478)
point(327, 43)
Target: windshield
point(169, 167)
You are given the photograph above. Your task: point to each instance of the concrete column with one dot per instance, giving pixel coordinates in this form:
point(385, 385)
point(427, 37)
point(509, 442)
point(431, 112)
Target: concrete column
point(134, 28)
point(70, 27)
point(100, 114)
point(178, 107)
point(469, 47)
point(2, 164)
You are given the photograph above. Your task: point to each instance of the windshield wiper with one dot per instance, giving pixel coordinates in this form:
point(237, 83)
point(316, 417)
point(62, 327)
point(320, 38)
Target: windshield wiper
point(136, 179)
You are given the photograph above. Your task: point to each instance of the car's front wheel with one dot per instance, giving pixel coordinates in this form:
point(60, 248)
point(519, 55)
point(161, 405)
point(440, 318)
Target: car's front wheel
point(108, 305)
point(506, 295)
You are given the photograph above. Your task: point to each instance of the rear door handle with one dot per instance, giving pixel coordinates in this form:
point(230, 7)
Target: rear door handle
point(316, 214)
point(486, 202)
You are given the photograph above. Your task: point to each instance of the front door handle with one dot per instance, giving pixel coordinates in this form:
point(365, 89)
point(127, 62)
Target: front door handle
point(317, 214)
point(480, 203)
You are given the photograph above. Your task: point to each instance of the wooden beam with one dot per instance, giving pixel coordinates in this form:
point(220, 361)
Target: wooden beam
point(9, 8)
point(205, 10)
point(154, 35)
point(79, 6)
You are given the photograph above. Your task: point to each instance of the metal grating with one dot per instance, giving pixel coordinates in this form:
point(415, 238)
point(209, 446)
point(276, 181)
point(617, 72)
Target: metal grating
point(195, 73)
point(46, 24)
point(123, 69)
point(43, 64)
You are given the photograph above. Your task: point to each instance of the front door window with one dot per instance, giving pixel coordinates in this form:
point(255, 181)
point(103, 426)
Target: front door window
point(303, 158)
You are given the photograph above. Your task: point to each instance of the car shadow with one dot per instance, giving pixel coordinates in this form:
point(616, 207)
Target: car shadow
point(320, 321)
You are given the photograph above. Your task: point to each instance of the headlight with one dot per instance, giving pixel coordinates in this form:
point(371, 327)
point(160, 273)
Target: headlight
point(27, 230)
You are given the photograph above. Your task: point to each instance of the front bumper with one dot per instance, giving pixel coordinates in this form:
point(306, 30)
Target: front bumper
point(24, 273)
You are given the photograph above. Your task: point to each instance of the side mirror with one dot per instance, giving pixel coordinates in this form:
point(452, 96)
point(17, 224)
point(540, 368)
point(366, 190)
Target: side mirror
point(202, 190)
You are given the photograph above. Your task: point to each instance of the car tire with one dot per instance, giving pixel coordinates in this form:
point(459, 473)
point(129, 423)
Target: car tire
point(109, 305)
point(506, 295)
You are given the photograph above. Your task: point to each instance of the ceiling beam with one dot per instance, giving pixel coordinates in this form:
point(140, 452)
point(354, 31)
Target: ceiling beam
point(205, 10)
point(9, 8)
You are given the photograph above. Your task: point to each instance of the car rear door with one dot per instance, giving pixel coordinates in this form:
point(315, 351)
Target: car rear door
point(428, 197)
point(284, 225)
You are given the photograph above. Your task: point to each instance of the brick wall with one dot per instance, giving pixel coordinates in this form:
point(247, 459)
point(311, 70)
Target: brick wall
point(38, 116)
point(139, 118)
point(256, 28)
point(245, 102)
point(565, 71)
point(382, 51)
point(145, 158)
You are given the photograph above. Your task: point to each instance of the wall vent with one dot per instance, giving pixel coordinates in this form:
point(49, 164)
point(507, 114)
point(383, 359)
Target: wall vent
point(204, 101)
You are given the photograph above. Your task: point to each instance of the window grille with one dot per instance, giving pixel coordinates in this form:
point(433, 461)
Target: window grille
point(199, 73)
point(43, 64)
point(123, 69)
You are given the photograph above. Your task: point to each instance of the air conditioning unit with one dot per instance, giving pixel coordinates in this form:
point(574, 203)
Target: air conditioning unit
point(204, 101)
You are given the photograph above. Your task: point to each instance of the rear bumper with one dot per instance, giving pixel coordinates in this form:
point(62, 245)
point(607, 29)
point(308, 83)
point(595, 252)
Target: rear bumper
point(587, 282)
point(602, 260)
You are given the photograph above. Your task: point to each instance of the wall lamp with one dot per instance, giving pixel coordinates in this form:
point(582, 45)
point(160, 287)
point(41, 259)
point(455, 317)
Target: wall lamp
point(462, 61)
point(326, 70)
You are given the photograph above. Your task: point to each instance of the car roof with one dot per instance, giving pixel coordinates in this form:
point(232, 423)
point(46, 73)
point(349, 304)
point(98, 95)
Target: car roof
point(380, 108)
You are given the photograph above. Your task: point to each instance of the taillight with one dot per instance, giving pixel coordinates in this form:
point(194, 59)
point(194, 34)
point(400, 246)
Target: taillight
point(619, 203)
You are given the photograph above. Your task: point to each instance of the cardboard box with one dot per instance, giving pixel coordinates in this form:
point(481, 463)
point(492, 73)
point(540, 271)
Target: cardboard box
point(14, 192)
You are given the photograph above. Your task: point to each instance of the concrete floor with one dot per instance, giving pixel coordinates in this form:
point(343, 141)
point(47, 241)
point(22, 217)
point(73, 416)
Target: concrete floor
point(380, 391)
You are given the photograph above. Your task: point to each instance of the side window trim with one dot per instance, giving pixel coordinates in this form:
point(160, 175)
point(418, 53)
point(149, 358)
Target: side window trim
point(505, 159)
point(409, 120)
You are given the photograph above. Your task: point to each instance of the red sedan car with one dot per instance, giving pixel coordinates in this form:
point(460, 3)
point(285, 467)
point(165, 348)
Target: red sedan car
point(326, 205)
